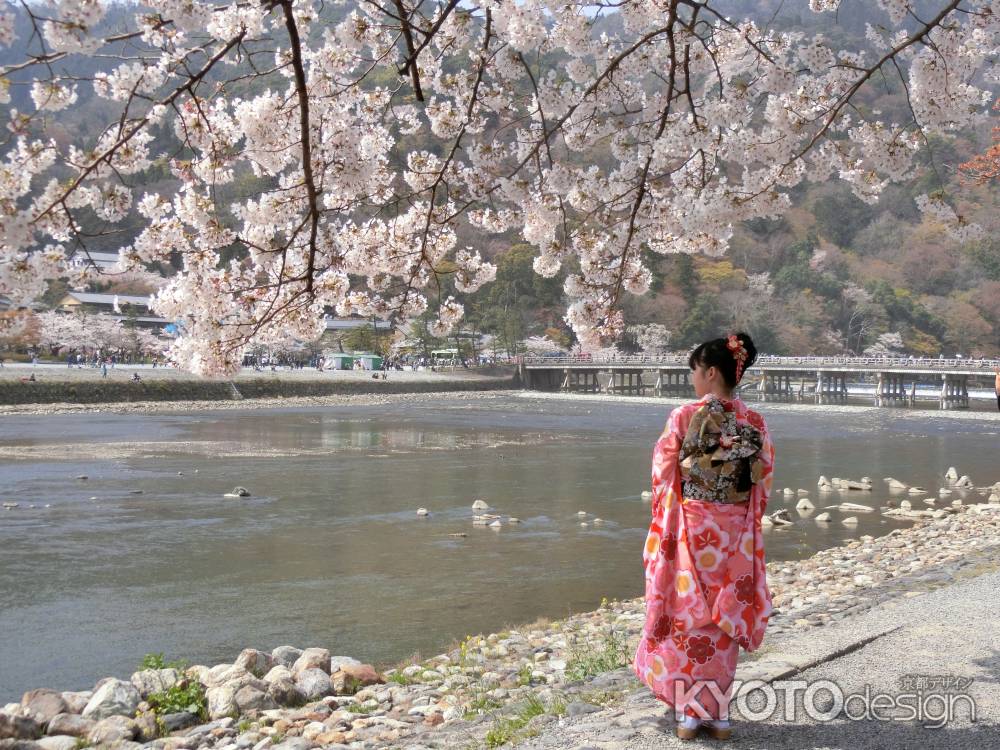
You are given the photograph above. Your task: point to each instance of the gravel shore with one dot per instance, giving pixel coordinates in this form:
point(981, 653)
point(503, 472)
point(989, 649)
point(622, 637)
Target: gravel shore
point(446, 390)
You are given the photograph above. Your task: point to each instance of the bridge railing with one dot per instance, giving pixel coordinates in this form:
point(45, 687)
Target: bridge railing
point(771, 361)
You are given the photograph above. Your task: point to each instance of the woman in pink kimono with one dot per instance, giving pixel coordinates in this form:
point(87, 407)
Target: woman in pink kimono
point(706, 594)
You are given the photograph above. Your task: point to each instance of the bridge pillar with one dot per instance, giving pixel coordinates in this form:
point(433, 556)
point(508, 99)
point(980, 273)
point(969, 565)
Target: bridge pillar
point(626, 381)
point(954, 392)
point(891, 388)
point(831, 387)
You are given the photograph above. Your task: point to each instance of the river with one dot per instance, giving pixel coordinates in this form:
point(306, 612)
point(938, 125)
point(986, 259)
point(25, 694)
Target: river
point(329, 549)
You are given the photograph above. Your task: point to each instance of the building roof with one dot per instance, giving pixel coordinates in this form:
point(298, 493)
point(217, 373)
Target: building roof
point(343, 324)
point(90, 298)
point(101, 260)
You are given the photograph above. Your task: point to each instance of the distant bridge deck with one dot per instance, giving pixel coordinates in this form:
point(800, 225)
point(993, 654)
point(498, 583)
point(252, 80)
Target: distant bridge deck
point(823, 379)
point(764, 363)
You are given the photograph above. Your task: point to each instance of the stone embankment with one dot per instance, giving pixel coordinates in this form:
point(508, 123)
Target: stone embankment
point(65, 386)
point(487, 691)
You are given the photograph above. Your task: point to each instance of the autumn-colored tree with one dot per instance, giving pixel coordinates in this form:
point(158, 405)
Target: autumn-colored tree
point(984, 167)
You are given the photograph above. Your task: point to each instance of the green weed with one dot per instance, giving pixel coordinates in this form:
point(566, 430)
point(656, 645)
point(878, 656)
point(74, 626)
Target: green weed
point(586, 663)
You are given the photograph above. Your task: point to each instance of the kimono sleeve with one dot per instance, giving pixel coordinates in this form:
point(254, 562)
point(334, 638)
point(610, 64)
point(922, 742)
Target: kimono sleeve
point(763, 486)
point(666, 471)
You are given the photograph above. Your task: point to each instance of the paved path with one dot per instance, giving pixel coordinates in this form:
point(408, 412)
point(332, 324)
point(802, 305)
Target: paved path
point(953, 631)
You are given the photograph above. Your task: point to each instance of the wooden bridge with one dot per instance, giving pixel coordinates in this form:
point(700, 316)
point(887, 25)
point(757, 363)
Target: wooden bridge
point(820, 379)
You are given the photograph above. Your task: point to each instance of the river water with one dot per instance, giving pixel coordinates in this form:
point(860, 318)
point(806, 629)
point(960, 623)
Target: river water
point(329, 550)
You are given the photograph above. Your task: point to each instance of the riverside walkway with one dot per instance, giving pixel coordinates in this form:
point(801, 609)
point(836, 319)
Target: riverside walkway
point(893, 380)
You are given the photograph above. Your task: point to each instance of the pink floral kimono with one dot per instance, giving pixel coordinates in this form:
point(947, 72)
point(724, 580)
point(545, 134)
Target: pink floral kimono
point(706, 593)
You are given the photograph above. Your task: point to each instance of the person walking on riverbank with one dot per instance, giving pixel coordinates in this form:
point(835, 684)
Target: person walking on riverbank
point(706, 593)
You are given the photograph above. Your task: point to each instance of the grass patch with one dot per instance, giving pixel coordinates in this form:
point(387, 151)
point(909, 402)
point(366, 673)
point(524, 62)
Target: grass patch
point(481, 704)
point(524, 675)
point(184, 695)
point(157, 661)
point(399, 678)
point(507, 729)
point(361, 708)
point(586, 663)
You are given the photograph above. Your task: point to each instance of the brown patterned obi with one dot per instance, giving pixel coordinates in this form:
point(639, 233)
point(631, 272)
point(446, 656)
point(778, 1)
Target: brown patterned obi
point(720, 458)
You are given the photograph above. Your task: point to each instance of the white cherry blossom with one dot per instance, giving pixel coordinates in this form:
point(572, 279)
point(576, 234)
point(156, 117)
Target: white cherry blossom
point(377, 150)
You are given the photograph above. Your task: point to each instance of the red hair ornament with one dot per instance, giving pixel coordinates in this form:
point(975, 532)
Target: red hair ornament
point(739, 353)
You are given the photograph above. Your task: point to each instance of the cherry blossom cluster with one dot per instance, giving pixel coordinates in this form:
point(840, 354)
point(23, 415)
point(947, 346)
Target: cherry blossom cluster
point(382, 140)
point(93, 332)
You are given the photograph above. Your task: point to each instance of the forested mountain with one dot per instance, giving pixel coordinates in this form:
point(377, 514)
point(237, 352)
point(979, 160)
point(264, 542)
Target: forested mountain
point(832, 275)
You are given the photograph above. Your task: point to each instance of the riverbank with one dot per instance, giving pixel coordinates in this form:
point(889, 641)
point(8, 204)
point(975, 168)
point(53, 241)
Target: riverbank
point(494, 689)
point(62, 389)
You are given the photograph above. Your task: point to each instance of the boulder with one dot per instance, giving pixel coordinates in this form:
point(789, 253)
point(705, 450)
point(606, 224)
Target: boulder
point(314, 683)
point(994, 498)
point(285, 655)
point(254, 661)
point(249, 698)
point(895, 484)
point(77, 700)
point(804, 504)
point(221, 702)
point(766, 521)
point(848, 484)
point(823, 481)
point(823, 517)
point(802, 493)
point(58, 742)
point(646, 495)
point(313, 658)
point(788, 492)
point(850, 521)
point(239, 492)
point(480, 505)
point(43, 704)
point(917, 491)
point(350, 677)
point(198, 673)
point(294, 743)
point(423, 512)
point(146, 729)
point(339, 662)
point(224, 674)
point(905, 504)
point(279, 673)
point(112, 729)
point(150, 681)
point(179, 720)
point(856, 507)
point(285, 692)
point(331, 737)
point(18, 727)
point(964, 482)
point(951, 476)
point(71, 724)
point(113, 698)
